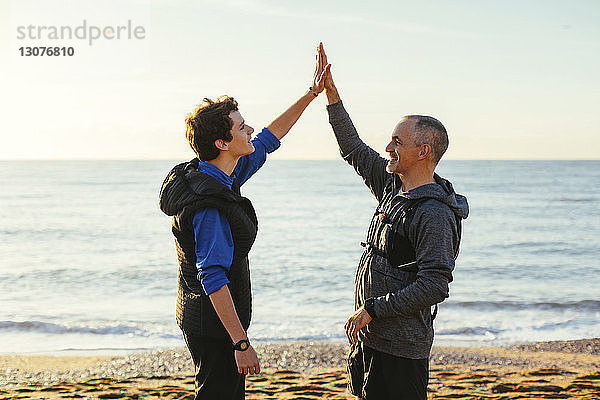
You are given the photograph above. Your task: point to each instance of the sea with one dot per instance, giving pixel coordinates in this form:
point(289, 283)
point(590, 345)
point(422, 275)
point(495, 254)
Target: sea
point(88, 263)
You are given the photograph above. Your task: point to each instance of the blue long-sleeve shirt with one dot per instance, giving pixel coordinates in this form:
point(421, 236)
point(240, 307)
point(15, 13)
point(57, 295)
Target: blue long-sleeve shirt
point(214, 243)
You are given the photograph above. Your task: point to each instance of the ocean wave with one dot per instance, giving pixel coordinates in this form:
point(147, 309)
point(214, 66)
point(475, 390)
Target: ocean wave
point(574, 322)
point(107, 329)
point(582, 305)
point(283, 338)
point(531, 244)
point(471, 331)
point(45, 232)
point(582, 200)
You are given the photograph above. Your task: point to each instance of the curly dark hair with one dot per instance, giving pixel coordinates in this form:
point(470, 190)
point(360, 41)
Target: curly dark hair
point(210, 121)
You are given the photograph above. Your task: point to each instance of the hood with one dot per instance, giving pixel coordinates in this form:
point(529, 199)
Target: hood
point(443, 192)
point(182, 186)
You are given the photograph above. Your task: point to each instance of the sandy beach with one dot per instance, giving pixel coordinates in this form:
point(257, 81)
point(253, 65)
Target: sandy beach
point(312, 370)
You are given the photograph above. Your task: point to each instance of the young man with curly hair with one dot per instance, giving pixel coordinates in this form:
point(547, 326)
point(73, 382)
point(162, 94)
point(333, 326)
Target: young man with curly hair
point(214, 228)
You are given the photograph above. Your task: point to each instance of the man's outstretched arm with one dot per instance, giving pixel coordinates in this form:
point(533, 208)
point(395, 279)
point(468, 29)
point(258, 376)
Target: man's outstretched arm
point(333, 96)
point(283, 123)
point(267, 141)
point(366, 161)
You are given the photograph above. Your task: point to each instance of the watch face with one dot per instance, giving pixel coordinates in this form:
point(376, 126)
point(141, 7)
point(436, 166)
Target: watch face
point(243, 346)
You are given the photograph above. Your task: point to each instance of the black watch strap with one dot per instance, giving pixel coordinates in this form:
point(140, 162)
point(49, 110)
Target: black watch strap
point(370, 307)
point(242, 345)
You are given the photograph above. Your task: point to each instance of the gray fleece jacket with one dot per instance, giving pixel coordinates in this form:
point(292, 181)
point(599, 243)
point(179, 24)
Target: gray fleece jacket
point(401, 300)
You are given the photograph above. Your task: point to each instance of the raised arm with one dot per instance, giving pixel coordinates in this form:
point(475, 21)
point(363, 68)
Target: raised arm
point(282, 124)
point(366, 161)
point(267, 141)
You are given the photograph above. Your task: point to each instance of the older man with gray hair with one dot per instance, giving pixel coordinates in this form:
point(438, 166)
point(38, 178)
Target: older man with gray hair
point(410, 248)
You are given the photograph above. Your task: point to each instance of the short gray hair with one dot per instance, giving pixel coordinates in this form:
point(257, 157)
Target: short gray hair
point(431, 131)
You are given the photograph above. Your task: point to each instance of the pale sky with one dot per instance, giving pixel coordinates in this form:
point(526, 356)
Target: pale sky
point(509, 79)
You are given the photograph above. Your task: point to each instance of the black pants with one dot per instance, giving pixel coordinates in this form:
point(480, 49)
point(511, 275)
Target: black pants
point(216, 374)
point(374, 375)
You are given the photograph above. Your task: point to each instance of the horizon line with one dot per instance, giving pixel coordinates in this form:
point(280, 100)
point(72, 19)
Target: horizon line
point(286, 159)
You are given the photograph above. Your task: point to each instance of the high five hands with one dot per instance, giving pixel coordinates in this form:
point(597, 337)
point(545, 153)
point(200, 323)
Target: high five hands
point(323, 76)
point(321, 71)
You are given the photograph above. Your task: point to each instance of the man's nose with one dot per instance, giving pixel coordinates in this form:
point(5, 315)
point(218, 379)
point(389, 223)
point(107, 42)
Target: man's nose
point(251, 130)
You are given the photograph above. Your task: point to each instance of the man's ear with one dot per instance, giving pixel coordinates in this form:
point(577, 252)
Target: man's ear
point(221, 144)
point(424, 152)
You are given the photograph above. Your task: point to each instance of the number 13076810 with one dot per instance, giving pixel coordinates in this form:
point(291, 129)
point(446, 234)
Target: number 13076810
point(46, 51)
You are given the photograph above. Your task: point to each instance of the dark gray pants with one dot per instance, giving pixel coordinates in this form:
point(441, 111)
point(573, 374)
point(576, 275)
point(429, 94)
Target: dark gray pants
point(374, 375)
point(215, 369)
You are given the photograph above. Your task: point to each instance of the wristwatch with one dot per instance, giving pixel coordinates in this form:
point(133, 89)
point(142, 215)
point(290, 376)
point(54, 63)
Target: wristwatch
point(370, 307)
point(242, 345)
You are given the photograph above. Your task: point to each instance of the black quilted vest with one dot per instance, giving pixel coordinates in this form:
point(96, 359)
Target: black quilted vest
point(184, 192)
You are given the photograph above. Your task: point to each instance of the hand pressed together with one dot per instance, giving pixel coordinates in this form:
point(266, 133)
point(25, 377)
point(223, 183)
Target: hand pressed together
point(329, 85)
point(330, 90)
point(321, 70)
